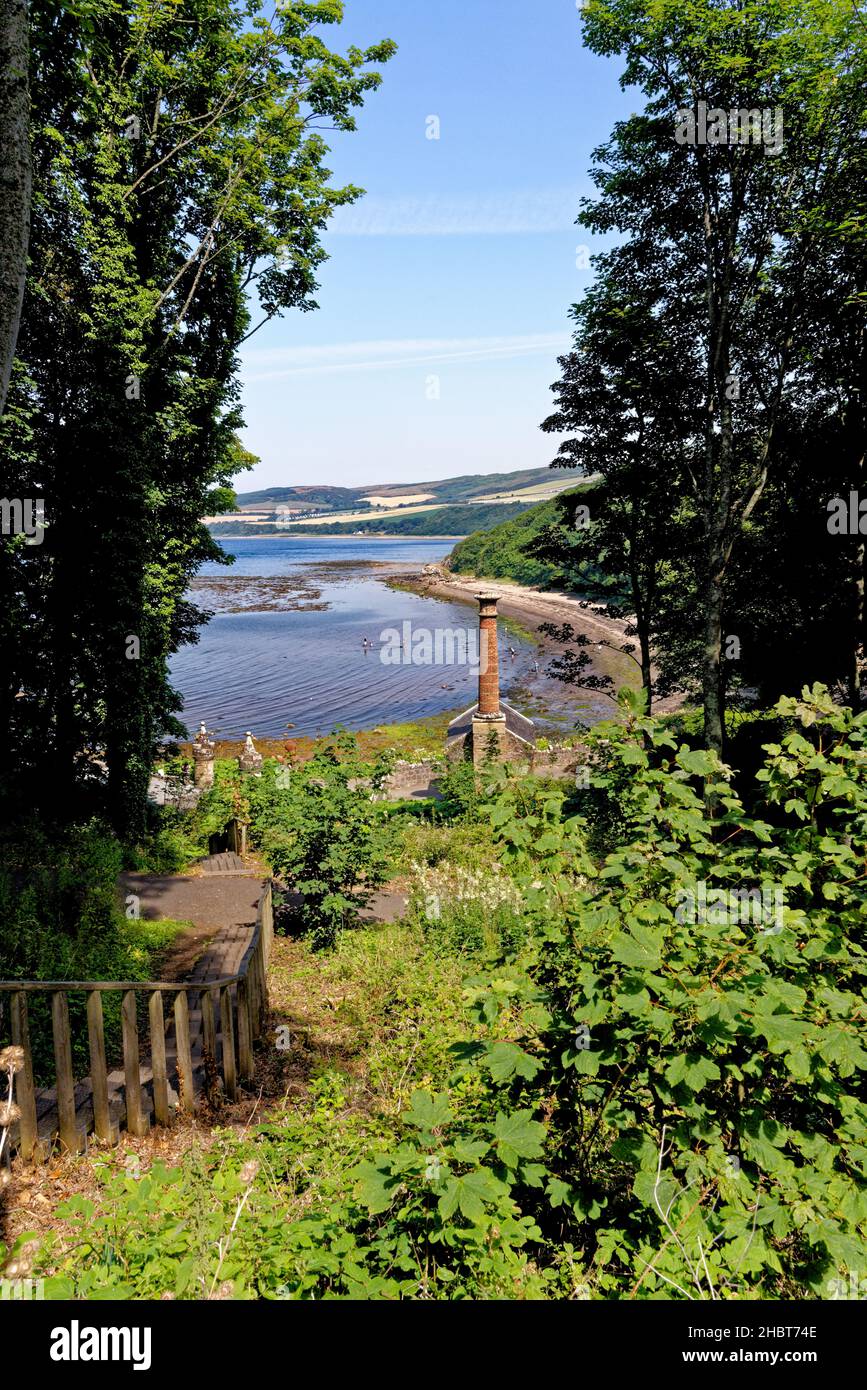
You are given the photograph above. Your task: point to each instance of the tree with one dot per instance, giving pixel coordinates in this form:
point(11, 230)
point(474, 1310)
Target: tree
point(625, 406)
point(729, 226)
point(321, 833)
point(181, 190)
point(16, 177)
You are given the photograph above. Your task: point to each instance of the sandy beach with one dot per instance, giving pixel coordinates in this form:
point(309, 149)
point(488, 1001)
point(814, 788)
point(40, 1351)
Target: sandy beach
point(532, 607)
point(529, 607)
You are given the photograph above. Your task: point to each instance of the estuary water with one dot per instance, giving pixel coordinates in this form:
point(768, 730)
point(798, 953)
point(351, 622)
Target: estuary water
point(284, 653)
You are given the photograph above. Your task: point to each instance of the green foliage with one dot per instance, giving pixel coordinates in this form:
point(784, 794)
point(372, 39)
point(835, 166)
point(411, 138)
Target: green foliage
point(506, 552)
point(173, 841)
point(160, 242)
point(60, 912)
point(460, 791)
point(704, 1077)
point(299, 1224)
point(322, 834)
point(647, 1102)
point(468, 910)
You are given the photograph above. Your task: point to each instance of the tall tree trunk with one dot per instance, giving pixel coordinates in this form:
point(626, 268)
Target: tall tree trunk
point(15, 177)
point(857, 651)
point(643, 628)
point(712, 657)
point(646, 666)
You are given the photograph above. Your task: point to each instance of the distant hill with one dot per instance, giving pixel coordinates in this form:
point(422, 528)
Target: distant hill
point(313, 497)
point(434, 521)
point(448, 507)
point(499, 553)
point(543, 482)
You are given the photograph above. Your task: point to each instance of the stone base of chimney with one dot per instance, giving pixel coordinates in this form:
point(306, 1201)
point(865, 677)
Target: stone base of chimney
point(490, 738)
point(203, 771)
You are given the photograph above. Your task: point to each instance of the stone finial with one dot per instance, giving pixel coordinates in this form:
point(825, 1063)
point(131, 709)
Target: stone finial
point(250, 761)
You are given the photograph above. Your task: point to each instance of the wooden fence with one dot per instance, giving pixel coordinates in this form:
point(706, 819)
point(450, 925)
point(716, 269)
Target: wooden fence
point(232, 1014)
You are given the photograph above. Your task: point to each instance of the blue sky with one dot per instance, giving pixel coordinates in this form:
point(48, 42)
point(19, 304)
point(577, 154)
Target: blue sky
point(445, 302)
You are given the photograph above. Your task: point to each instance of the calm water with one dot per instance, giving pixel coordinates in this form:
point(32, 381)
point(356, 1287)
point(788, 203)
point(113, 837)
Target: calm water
point(284, 653)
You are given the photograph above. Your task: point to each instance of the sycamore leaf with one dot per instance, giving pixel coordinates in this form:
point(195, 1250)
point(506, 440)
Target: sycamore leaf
point(469, 1150)
point(640, 949)
point(469, 1195)
point(506, 1060)
point(375, 1185)
point(427, 1111)
point(693, 1070)
point(518, 1136)
point(558, 1192)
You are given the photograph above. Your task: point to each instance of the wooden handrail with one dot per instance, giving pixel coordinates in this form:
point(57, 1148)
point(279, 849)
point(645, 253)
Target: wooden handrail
point(108, 986)
point(237, 1003)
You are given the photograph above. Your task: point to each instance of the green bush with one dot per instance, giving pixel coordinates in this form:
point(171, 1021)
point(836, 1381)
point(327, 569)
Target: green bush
point(703, 1078)
point(320, 831)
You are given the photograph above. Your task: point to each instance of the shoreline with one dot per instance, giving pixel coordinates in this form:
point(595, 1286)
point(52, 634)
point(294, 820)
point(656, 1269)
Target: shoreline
point(530, 608)
point(515, 600)
point(556, 706)
point(342, 536)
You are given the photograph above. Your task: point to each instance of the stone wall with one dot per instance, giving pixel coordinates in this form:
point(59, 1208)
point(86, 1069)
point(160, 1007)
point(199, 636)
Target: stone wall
point(410, 780)
point(559, 763)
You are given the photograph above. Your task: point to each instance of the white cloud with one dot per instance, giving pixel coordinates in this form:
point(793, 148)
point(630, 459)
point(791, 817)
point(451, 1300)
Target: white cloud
point(471, 214)
point(265, 364)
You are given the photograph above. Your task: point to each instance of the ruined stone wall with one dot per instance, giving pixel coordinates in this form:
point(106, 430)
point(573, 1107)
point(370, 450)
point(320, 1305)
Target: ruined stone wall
point(559, 763)
point(407, 780)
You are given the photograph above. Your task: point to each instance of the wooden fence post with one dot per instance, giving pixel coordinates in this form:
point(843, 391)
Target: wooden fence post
point(227, 1030)
point(158, 1057)
point(98, 1070)
point(66, 1125)
point(245, 1036)
point(209, 1033)
point(253, 997)
point(136, 1120)
point(267, 923)
point(184, 1057)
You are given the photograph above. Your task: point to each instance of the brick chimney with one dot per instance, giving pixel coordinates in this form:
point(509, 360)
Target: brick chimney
point(489, 657)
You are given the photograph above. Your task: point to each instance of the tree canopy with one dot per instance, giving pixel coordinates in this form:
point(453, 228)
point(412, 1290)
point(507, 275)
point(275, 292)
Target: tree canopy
point(180, 191)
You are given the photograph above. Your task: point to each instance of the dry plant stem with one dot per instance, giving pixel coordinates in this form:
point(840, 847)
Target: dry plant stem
point(664, 1215)
point(224, 1250)
point(706, 1270)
